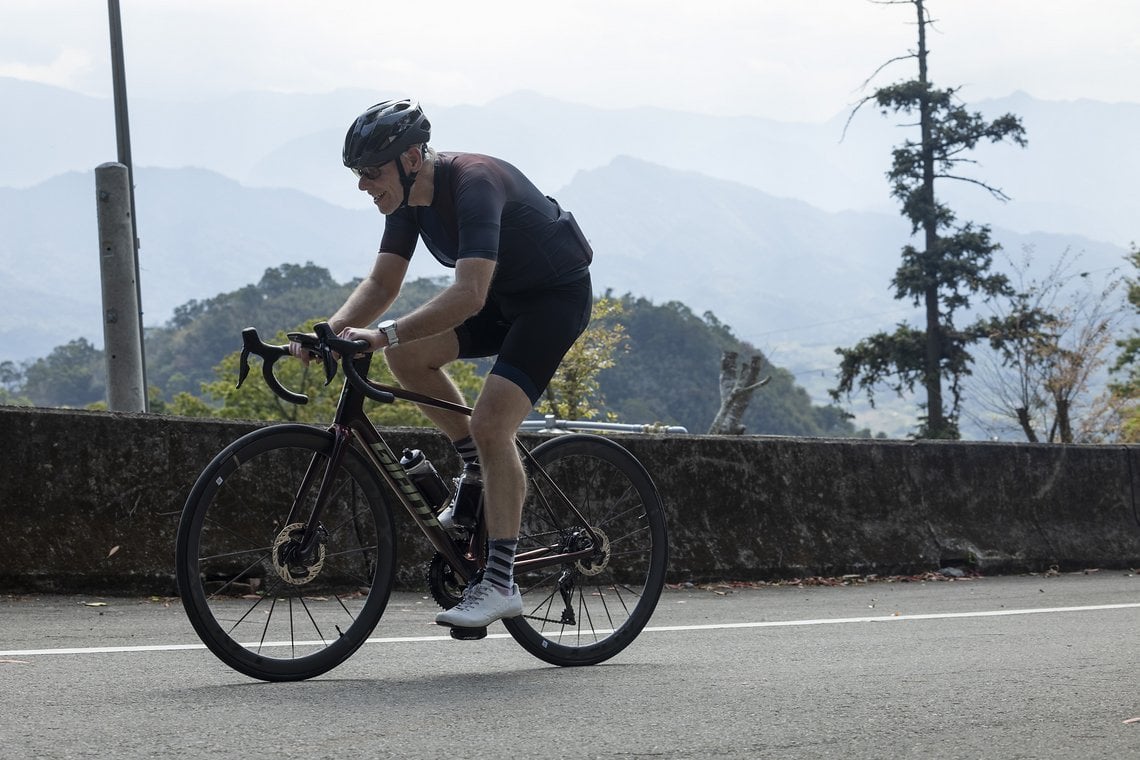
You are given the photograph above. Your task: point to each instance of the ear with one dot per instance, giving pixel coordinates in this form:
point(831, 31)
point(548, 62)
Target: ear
point(413, 158)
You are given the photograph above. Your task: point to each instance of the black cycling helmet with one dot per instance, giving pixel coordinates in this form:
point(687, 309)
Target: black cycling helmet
point(383, 132)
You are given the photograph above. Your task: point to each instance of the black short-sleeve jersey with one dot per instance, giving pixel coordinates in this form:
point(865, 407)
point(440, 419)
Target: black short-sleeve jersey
point(484, 207)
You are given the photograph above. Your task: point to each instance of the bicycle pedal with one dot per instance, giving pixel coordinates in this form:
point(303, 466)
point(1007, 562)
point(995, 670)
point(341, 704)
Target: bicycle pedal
point(468, 634)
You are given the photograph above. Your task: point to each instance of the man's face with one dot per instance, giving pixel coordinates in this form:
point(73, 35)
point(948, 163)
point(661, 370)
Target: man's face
point(383, 184)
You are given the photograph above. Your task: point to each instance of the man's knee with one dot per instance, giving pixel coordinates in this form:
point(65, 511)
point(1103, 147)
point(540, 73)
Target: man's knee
point(405, 359)
point(501, 408)
point(488, 430)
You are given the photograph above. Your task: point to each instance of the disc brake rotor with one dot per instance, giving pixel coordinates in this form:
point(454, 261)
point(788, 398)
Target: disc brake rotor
point(601, 558)
point(292, 570)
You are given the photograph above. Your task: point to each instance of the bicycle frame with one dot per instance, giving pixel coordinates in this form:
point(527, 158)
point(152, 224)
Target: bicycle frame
point(351, 423)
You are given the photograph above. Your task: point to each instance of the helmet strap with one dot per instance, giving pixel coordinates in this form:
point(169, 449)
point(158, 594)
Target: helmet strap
point(407, 179)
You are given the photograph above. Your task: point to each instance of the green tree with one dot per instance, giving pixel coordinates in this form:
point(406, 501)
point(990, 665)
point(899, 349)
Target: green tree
point(181, 354)
point(71, 375)
point(1126, 391)
point(12, 384)
point(671, 376)
point(574, 393)
point(954, 261)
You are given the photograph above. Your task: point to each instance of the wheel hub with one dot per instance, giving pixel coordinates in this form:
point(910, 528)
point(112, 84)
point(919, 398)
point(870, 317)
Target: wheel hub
point(600, 560)
point(291, 566)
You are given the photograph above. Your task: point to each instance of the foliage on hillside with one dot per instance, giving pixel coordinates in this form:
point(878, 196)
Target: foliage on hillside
point(182, 354)
point(669, 374)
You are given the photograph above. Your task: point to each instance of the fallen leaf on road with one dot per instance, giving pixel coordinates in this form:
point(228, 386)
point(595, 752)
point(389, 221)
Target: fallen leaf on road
point(1133, 720)
point(94, 604)
point(25, 662)
point(112, 552)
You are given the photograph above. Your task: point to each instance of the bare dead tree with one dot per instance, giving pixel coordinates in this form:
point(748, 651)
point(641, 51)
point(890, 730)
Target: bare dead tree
point(1051, 342)
point(737, 384)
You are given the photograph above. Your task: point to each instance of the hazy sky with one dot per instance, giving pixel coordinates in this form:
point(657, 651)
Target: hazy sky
point(785, 59)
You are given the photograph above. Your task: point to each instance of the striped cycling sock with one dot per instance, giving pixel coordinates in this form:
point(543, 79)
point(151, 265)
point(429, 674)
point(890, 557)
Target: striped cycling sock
point(465, 447)
point(501, 562)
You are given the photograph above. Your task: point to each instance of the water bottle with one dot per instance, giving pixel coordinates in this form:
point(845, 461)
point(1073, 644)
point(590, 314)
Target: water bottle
point(424, 475)
point(468, 498)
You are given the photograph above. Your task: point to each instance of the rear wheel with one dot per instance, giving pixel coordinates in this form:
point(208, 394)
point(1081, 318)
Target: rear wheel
point(588, 610)
point(265, 598)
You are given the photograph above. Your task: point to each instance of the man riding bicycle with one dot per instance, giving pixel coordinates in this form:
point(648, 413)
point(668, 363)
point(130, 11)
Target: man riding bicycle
point(521, 293)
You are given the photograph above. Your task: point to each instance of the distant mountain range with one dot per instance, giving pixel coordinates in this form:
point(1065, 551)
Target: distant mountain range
point(784, 233)
point(1077, 176)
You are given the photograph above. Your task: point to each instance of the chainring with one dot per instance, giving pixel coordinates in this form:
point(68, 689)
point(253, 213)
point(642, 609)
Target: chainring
point(445, 584)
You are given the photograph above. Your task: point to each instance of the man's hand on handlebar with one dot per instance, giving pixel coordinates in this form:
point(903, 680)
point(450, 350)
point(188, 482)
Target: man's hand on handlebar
point(305, 346)
point(374, 338)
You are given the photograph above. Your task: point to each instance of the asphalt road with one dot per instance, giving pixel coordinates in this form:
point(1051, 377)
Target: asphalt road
point(1023, 667)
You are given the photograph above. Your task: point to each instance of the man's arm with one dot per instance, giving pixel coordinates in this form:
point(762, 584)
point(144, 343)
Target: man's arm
point(460, 300)
point(374, 295)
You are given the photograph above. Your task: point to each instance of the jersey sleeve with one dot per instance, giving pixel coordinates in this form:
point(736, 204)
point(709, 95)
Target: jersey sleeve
point(400, 233)
point(479, 202)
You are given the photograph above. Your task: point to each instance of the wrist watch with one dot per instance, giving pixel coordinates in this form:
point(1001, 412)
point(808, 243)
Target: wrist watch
point(388, 327)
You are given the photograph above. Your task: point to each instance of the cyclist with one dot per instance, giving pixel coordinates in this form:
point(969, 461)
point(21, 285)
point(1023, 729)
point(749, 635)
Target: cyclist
point(521, 293)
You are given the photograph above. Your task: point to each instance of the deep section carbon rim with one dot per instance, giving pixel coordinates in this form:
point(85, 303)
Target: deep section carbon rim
point(266, 598)
point(586, 611)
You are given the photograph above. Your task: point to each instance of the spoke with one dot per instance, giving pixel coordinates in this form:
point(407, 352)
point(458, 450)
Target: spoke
point(265, 630)
point(234, 579)
point(629, 535)
point(606, 608)
point(631, 552)
point(313, 620)
point(225, 528)
point(621, 599)
point(344, 607)
point(548, 601)
point(623, 514)
point(241, 619)
point(226, 555)
point(616, 509)
point(353, 550)
point(359, 576)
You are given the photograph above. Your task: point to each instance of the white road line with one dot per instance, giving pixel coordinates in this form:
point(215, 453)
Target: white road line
point(649, 629)
point(897, 618)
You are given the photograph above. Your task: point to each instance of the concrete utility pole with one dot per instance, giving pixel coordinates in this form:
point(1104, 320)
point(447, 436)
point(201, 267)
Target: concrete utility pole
point(119, 315)
point(122, 333)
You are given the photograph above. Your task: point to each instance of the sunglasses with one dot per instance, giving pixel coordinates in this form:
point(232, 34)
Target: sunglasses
point(369, 173)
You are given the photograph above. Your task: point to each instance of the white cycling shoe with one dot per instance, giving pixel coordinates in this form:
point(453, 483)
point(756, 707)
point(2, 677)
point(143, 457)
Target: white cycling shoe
point(482, 603)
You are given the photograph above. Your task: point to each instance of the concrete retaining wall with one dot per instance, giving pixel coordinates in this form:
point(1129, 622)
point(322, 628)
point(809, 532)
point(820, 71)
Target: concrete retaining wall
point(90, 501)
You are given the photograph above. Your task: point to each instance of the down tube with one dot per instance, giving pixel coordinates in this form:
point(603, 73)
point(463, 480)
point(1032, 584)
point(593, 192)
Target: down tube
point(423, 514)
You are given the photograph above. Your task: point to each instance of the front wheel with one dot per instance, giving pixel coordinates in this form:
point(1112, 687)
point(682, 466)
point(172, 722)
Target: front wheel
point(586, 611)
point(270, 600)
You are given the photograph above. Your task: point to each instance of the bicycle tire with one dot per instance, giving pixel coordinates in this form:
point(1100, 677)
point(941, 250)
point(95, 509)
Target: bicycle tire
point(611, 596)
point(272, 622)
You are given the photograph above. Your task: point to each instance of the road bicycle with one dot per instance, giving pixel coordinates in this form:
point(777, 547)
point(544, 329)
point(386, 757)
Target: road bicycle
point(286, 550)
